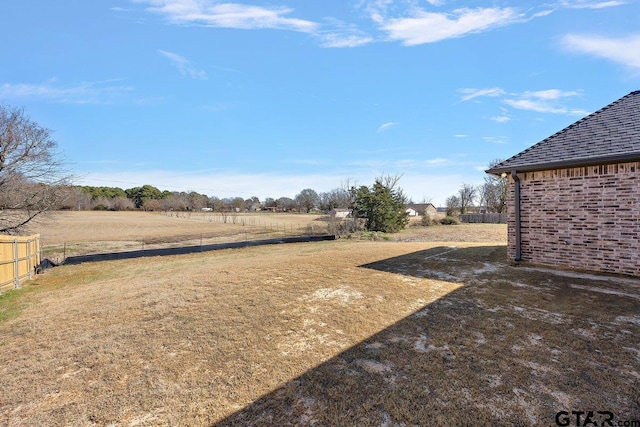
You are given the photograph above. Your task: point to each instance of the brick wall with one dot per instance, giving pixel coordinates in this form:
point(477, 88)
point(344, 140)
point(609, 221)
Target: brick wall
point(586, 218)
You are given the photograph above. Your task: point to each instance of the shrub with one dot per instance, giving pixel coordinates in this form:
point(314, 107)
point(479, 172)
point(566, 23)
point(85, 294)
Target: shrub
point(368, 235)
point(428, 221)
point(449, 220)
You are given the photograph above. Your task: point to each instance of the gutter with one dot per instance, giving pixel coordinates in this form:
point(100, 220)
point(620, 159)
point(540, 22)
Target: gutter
point(590, 161)
point(518, 231)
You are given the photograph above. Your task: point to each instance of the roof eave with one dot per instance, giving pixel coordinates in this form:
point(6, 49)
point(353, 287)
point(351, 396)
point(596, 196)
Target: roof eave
point(618, 158)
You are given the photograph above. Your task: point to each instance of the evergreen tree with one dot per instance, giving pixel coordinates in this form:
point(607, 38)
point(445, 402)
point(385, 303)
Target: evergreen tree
point(139, 195)
point(382, 205)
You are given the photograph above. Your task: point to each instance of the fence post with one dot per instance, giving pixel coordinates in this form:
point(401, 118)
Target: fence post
point(40, 250)
point(29, 260)
point(16, 266)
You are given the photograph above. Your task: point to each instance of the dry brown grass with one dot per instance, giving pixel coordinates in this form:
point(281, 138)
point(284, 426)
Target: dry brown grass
point(454, 233)
point(331, 333)
point(79, 233)
point(96, 231)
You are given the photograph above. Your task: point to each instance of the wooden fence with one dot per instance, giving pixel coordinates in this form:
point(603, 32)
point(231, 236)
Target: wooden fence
point(491, 218)
point(19, 257)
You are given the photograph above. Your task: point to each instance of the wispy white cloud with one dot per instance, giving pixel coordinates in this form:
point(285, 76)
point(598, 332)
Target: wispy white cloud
point(440, 161)
point(544, 101)
point(541, 107)
point(625, 51)
point(590, 4)
point(228, 15)
point(386, 126)
point(104, 92)
point(550, 94)
point(404, 21)
point(339, 34)
point(183, 65)
point(496, 139)
point(398, 164)
point(542, 13)
point(412, 24)
point(339, 39)
point(541, 101)
point(469, 93)
point(209, 13)
point(503, 117)
point(428, 27)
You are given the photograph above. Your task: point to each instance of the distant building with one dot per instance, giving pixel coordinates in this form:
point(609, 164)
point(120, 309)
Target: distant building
point(340, 213)
point(422, 209)
point(412, 212)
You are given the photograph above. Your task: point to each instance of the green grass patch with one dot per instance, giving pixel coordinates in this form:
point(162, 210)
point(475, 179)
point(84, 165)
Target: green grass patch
point(12, 302)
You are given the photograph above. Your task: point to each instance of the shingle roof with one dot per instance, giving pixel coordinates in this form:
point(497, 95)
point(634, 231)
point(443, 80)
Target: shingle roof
point(609, 135)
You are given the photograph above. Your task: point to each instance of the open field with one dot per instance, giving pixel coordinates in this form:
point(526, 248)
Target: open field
point(86, 232)
point(332, 333)
point(95, 231)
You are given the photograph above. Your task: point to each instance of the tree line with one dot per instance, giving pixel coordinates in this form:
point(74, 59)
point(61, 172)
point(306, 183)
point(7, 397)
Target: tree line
point(150, 198)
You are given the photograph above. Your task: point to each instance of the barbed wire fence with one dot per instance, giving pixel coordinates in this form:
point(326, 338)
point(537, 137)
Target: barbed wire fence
point(257, 221)
point(255, 227)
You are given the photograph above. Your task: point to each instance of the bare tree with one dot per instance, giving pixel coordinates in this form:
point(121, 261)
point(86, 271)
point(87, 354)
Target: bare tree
point(74, 199)
point(307, 199)
point(101, 204)
point(120, 203)
point(453, 205)
point(336, 198)
point(466, 195)
point(31, 175)
point(252, 204)
point(216, 204)
point(285, 203)
point(237, 204)
point(494, 191)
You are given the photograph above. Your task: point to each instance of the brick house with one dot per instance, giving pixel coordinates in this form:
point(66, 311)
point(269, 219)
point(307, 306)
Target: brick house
point(574, 198)
point(423, 209)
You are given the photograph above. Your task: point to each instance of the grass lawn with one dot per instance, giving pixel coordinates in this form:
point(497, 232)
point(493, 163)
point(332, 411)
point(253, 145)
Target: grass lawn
point(332, 333)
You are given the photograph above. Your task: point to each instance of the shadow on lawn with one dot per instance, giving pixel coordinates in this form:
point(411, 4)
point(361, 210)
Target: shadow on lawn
point(510, 347)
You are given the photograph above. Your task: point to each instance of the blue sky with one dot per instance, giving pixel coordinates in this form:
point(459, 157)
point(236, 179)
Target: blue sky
point(269, 98)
